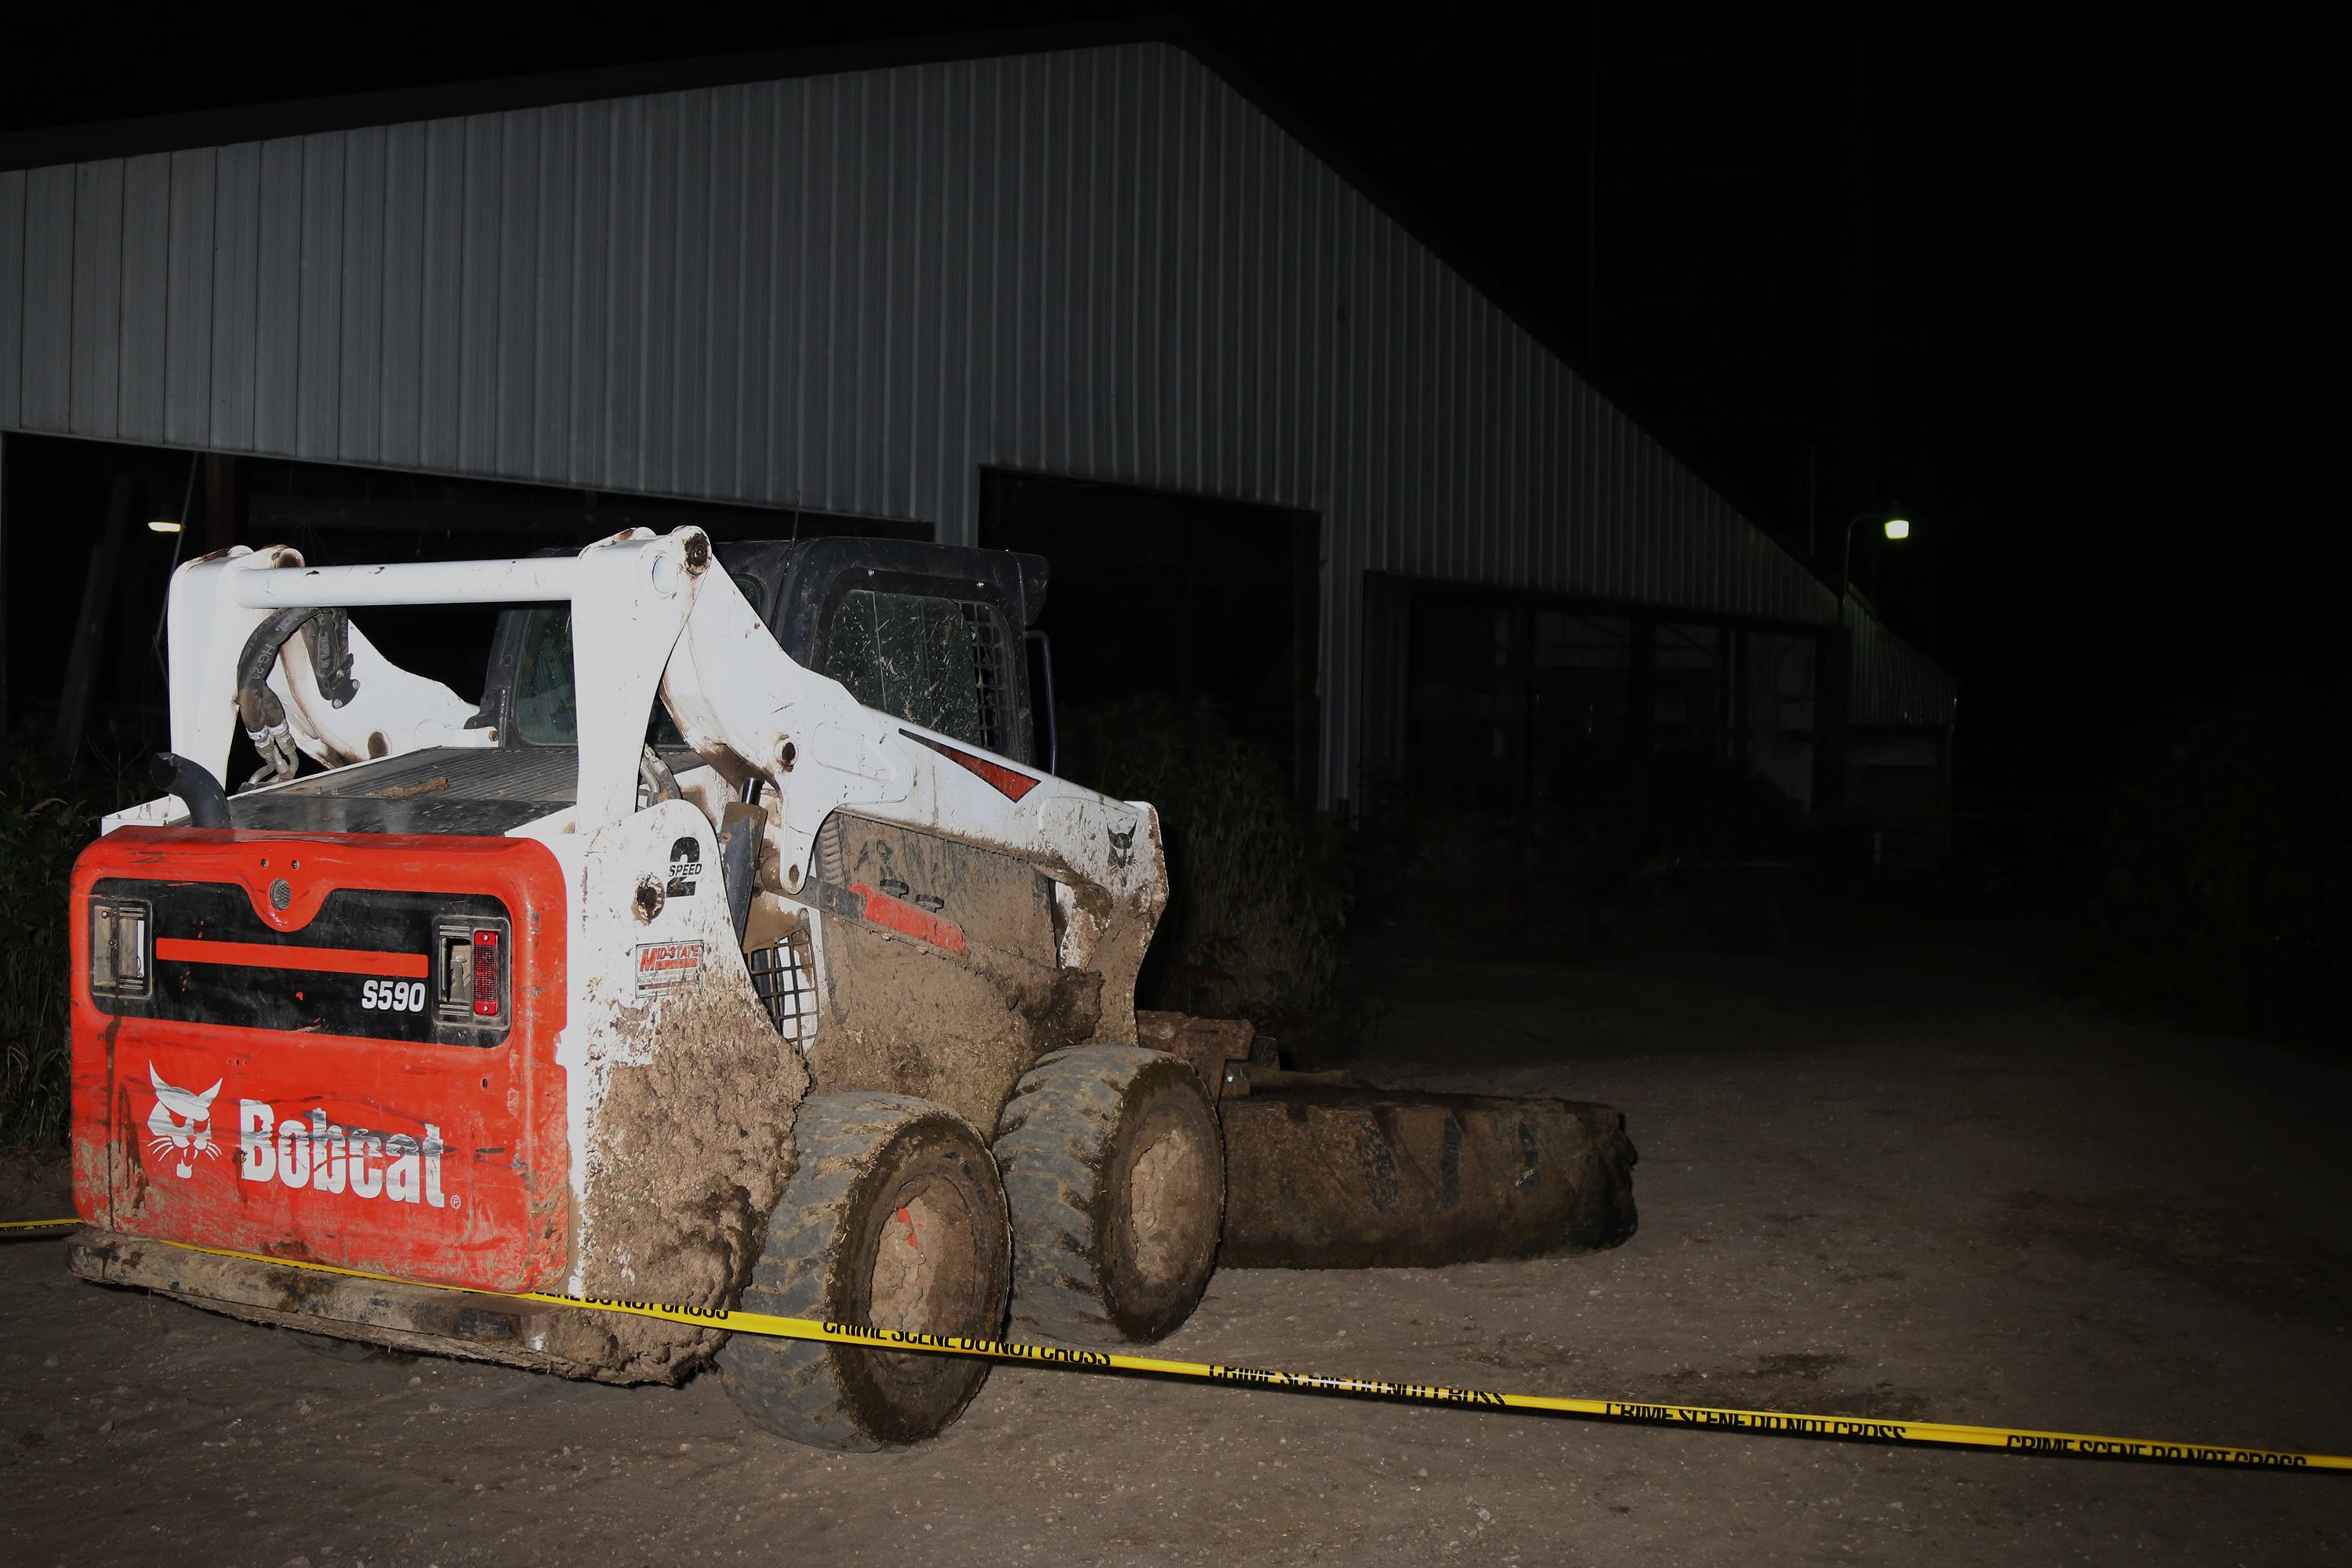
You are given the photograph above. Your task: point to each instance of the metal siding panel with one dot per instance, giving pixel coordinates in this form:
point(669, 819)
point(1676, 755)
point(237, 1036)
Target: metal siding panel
point(278, 297)
point(1235, 347)
point(47, 376)
point(1322, 302)
point(512, 418)
point(399, 441)
point(964, 305)
point(441, 335)
point(799, 308)
point(723, 317)
point(1299, 320)
point(1025, 348)
point(1057, 299)
point(188, 299)
point(894, 428)
point(96, 373)
point(146, 248)
point(825, 372)
point(1252, 259)
point(1183, 242)
point(1481, 503)
point(358, 417)
point(319, 379)
point(554, 295)
point(1206, 436)
point(12, 294)
point(919, 465)
point(1559, 436)
point(1129, 345)
point(1047, 409)
point(1082, 288)
point(862, 483)
point(474, 357)
point(596, 150)
point(359, 375)
point(865, 292)
point(785, 270)
point(744, 399)
point(1420, 515)
point(236, 281)
point(628, 233)
point(679, 430)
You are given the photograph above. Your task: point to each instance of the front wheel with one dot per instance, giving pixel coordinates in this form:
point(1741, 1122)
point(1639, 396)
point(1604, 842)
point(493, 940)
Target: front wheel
point(894, 1219)
point(1115, 1166)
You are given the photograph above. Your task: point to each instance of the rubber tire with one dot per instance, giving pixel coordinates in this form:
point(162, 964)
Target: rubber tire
point(860, 1155)
point(1067, 1143)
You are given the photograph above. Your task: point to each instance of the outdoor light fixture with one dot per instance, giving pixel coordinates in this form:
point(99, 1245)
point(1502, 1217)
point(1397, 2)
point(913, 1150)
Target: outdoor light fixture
point(162, 525)
point(1896, 527)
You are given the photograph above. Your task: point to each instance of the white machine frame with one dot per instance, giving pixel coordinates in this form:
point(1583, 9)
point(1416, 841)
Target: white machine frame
point(662, 621)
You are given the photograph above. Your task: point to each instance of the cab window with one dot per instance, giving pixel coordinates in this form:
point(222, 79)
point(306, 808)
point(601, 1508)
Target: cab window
point(545, 706)
point(933, 661)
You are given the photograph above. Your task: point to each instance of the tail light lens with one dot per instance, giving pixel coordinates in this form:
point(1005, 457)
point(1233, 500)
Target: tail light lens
point(472, 985)
point(119, 947)
point(490, 974)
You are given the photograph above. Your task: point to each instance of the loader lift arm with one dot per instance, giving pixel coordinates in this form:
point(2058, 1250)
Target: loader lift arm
point(665, 622)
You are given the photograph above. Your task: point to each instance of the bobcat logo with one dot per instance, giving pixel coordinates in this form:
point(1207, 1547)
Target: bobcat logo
point(1122, 849)
point(181, 1124)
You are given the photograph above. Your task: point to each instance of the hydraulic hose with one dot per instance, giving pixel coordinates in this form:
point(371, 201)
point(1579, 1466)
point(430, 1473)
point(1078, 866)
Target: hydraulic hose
point(257, 706)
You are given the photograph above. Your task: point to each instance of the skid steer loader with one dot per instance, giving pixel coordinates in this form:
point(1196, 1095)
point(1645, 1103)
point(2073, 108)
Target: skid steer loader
point(734, 951)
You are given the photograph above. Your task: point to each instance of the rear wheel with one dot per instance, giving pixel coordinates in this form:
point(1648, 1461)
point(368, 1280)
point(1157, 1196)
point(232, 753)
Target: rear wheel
point(895, 1219)
point(1115, 1168)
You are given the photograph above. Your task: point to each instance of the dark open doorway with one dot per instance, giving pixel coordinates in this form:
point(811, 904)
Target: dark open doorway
point(1175, 595)
point(88, 552)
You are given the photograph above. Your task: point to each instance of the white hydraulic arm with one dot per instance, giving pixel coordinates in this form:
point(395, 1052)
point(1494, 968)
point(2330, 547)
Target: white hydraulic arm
point(650, 615)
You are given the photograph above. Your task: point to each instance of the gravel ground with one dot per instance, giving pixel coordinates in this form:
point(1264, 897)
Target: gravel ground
point(1893, 1178)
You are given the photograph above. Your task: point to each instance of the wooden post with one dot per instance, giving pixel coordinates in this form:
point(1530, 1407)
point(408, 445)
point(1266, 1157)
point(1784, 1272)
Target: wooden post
point(4, 741)
point(220, 502)
point(90, 644)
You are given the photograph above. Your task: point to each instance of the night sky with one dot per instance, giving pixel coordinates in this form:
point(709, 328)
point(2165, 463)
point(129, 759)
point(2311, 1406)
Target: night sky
point(2085, 263)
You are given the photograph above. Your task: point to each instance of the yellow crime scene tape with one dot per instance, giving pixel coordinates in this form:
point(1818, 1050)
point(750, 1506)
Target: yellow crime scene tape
point(1781, 1423)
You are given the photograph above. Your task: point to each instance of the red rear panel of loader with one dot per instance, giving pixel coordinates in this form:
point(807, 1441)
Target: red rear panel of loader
point(328, 1046)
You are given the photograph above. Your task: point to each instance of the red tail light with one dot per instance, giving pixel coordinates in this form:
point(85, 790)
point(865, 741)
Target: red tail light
point(490, 974)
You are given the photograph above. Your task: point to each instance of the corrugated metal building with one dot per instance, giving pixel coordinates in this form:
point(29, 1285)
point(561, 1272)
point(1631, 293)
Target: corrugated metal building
point(862, 293)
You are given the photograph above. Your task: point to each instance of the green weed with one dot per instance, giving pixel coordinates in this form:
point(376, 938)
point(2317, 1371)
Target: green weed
point(1258, 891)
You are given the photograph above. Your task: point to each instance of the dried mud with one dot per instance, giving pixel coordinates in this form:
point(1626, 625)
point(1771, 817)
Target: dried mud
point(693, 1147)
point(903, 1020)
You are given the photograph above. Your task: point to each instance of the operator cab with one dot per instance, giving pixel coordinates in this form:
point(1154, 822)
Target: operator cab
point(927, 633)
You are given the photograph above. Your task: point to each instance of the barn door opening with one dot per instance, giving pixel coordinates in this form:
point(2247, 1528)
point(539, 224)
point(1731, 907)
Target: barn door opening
point(1176, 596)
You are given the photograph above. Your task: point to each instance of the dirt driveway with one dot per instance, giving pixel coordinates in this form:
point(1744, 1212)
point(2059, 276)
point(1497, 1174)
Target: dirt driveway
point(1892, 1179)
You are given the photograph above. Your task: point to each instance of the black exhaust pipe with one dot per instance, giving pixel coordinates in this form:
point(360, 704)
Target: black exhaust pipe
point(207, 805)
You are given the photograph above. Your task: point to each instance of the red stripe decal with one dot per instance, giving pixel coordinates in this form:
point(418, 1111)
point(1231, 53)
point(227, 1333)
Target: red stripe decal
point(1011, 784)
point(906, 919)
point(269, 955)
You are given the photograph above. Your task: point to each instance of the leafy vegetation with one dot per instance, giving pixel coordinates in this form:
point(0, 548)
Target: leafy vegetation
point(1610, 816)
point(2227, 878)
point(44, 823)
point(1258, 891)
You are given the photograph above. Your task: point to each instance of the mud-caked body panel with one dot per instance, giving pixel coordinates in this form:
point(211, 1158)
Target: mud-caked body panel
point(940, 969)
point(680, 1094)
